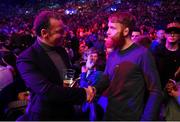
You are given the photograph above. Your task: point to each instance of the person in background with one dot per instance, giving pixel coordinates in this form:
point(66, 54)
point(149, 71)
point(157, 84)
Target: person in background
point(167, 60)
point(12, 86)
point(167, 56)
point(172, 110)
point(160, 39)
point(136, 33)
point(90, 75)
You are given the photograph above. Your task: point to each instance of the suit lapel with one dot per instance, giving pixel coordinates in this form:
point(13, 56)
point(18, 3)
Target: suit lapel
point(62, 52)
point(46, 63)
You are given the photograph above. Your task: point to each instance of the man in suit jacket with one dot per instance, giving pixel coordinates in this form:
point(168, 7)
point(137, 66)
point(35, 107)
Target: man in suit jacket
point(41, 66)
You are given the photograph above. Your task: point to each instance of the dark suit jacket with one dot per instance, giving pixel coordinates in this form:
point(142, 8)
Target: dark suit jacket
point(48, 96)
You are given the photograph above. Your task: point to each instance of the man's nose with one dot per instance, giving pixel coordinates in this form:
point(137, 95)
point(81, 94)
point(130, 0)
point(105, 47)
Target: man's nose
point(108, 32)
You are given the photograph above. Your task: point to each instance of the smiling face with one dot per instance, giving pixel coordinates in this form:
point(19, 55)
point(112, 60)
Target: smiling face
point(55, 33)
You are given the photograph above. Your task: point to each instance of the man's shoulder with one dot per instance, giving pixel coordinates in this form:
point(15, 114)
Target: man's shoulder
point(142, 52)
point(29, 52)
point(26, 52)
point(141, 49)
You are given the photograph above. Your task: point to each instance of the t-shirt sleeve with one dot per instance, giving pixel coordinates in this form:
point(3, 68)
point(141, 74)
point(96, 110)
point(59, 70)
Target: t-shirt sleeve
point(153, 86)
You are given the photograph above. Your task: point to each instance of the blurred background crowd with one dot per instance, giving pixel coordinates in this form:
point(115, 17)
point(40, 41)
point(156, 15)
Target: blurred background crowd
point(86, 22)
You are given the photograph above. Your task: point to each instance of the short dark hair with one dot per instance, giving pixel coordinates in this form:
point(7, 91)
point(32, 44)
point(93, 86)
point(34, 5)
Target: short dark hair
point(125, 18)
point(42, 20)
point(92, 50)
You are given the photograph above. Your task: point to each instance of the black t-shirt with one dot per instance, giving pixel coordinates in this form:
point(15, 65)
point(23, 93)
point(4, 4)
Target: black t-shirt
point(167, 63)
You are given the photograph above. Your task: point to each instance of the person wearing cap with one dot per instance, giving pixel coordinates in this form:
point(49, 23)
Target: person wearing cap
point(173, 45)
point(168, 62)
point(167, 56)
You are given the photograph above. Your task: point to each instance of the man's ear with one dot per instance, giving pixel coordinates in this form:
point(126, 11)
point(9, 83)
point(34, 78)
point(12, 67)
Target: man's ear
point(126, 31)
point(44, 33)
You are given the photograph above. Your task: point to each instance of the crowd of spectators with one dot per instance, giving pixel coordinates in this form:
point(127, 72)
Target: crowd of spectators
point(86, 25)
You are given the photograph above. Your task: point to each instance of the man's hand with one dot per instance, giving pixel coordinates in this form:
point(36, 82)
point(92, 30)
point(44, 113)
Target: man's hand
point(23, 96)
point(90, 93)
point(84, 69)
point(175, 93)
point(89, 63)
point(171, 85)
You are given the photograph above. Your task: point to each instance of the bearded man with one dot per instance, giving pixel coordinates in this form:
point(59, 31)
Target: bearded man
point(134, 89)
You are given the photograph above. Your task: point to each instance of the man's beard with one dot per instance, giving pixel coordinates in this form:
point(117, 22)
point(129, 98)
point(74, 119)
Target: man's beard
point(118, 41)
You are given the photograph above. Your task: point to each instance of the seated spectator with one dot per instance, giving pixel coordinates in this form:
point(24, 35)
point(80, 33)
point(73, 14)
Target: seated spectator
point(90, 74)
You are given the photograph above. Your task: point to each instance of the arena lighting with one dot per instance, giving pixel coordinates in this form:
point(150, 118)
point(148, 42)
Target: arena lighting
point(118, 1)
point(113, 8)
point(53, 5)
point(27, 12)
point(82, 1)
point(70, 11)
point(67, 12)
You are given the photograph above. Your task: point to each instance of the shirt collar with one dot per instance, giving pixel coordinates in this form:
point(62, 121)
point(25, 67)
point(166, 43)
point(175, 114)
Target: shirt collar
point(46, 47)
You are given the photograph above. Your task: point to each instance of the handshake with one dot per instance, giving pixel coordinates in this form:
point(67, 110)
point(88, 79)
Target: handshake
point(90, 93)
